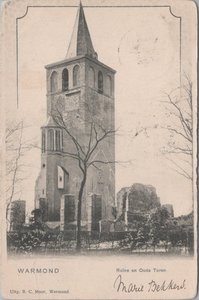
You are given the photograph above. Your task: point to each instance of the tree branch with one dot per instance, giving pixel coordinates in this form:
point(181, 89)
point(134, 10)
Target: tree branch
point(15, 170)
point(63, 125)
point(98, 140)
point(181, 171)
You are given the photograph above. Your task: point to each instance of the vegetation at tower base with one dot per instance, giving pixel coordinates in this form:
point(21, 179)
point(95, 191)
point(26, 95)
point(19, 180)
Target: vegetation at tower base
point(85, 151)
point(158, 233)
point(149, 224)
point(34, 237)
point(154, 230)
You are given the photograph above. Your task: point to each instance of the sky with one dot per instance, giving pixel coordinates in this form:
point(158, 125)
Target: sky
point(142, 45)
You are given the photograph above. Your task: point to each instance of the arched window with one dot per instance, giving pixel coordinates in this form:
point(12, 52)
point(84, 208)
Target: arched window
point(91, 77)
point(100, 82)
point(62, 178)
point(43, 142)
point(76, 76)
point(58, 140)
point(65, 80)
point(54, 82)
point(51, 139)
point(109, 85)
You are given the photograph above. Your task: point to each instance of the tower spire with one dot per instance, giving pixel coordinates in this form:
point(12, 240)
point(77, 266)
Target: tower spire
point(80, 43)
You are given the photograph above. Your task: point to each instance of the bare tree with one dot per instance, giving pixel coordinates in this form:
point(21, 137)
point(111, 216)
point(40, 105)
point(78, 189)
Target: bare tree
point(179, 114)
point(13, 140)
point(84, 148)
point(16, 147)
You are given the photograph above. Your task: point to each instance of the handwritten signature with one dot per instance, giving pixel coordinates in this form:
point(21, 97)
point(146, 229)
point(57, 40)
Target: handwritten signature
point(121, 286)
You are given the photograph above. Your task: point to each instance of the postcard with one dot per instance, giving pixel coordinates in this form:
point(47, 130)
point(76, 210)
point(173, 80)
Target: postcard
point(98, 149)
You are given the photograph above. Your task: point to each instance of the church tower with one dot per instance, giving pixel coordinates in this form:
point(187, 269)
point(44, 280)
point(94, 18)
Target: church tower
point(79, 88)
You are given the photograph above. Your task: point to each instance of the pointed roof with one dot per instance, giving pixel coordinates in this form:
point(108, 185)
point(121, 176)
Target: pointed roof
point(50, 122)
point(80, 43)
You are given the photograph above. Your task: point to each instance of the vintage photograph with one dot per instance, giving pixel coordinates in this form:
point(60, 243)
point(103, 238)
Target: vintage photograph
point(98, 152)
point(99, 140)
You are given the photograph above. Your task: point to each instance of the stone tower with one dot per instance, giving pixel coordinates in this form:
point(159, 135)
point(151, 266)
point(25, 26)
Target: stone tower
point(79, 88)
